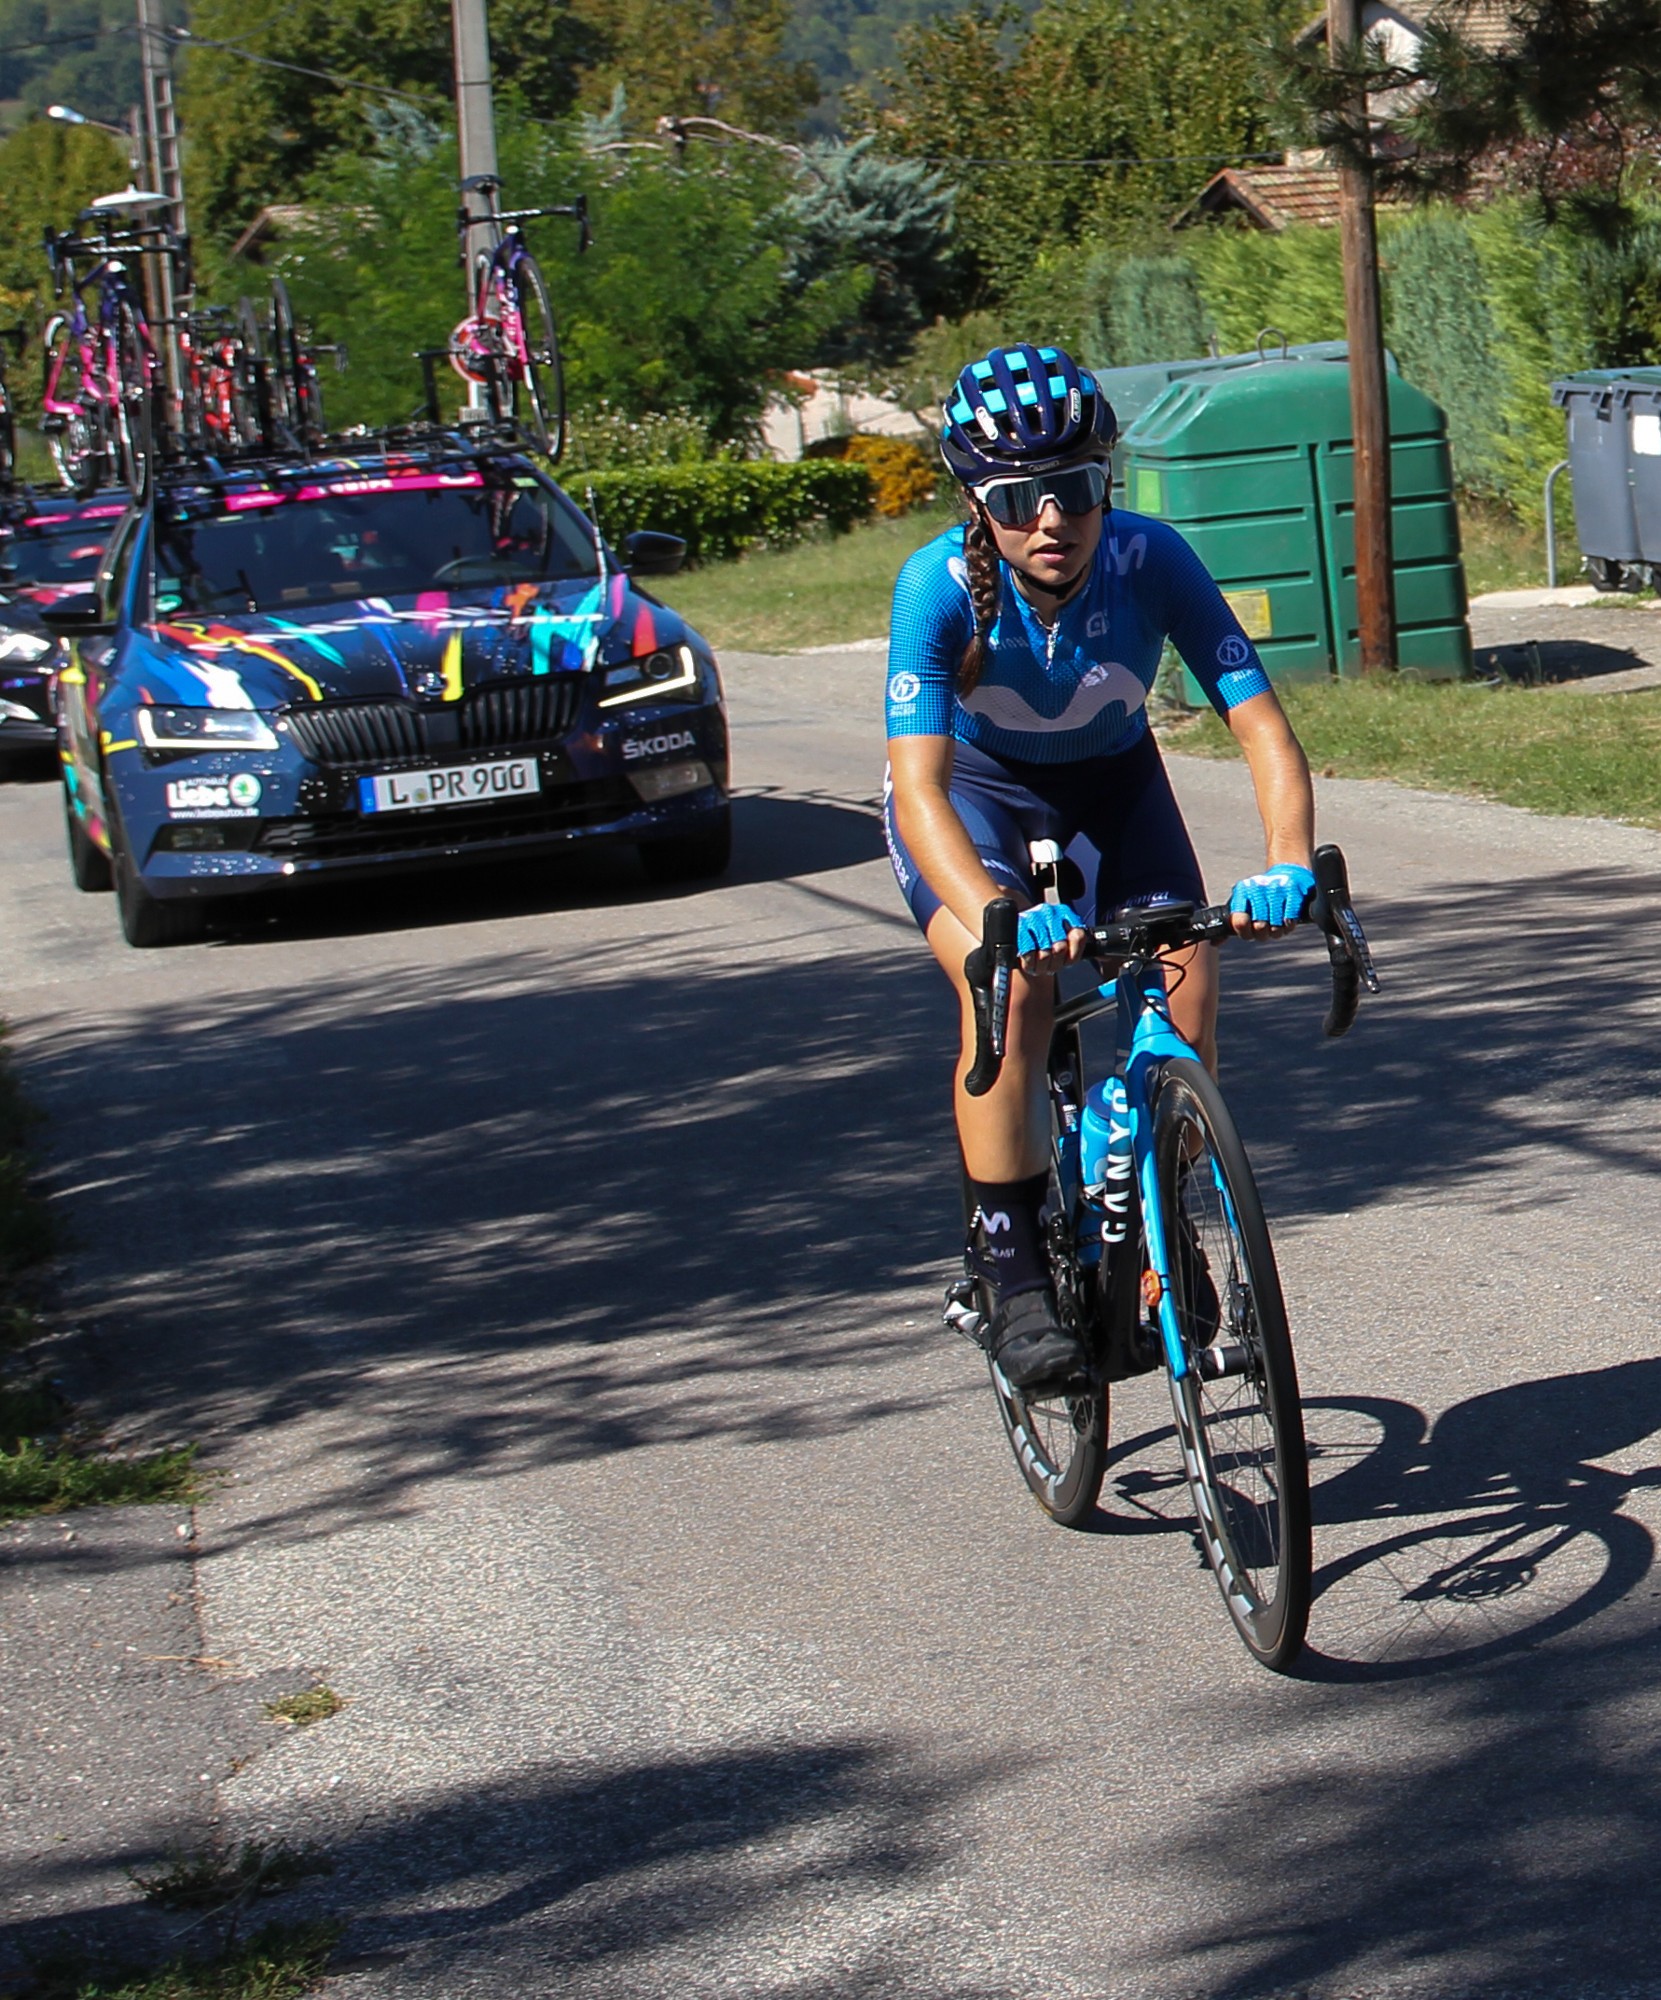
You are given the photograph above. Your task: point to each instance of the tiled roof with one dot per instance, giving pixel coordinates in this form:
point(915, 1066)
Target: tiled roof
point(1486, 24)
point(1273, 197)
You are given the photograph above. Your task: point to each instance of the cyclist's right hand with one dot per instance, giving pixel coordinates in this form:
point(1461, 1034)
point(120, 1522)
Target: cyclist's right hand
point(1045, 933)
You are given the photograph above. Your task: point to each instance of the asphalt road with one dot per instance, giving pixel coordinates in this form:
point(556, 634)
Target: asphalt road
point(550, 1265)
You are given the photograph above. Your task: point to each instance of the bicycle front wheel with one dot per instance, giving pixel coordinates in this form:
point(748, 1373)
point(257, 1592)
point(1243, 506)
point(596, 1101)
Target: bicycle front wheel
point(544, 376)
point(1237, 1410)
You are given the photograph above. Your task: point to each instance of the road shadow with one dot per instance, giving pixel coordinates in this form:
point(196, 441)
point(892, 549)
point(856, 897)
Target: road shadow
point(1513, 1018)
point(776, 837)
point(697, 1861)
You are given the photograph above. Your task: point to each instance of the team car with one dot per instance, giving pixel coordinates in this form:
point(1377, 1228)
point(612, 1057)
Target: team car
point(50, 546)
point(322, 669)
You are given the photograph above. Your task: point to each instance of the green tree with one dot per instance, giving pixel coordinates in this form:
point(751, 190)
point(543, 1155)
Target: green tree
point(1095, 119)
point(49, 172)
point(257, 133)
point(893, 219)
point(688, 300)
point(721, 58)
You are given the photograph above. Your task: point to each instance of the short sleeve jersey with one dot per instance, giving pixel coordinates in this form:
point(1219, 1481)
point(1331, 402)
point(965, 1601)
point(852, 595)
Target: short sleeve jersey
point(1079, 689)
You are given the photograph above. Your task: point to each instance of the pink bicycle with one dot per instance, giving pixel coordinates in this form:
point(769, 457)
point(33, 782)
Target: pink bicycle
point(508, 344)
point(103, 376)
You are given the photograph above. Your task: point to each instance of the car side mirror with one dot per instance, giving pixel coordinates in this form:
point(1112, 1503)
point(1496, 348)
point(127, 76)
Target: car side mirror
point(648, 552)
point(76, 616)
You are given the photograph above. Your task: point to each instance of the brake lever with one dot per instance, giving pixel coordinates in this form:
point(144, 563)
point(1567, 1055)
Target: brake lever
point(989, 970)
point(1348, 953)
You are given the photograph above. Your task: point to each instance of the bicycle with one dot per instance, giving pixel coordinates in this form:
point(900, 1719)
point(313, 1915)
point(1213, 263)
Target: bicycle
point(296, 388)
point(508, 340)
point(1178, 1271)
point(223, 388)
point(12, 337)
point(102, 376)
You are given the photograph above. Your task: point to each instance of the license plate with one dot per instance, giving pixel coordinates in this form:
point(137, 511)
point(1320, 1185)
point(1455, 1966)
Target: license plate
point(454, 785)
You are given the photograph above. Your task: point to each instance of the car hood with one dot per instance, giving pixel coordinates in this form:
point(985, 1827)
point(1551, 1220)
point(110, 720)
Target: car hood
point(431, 647)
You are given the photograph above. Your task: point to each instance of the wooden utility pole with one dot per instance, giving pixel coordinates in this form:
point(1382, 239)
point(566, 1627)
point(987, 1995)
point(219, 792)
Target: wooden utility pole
point(1369, 406)
point(162, 131)
point(475, 134)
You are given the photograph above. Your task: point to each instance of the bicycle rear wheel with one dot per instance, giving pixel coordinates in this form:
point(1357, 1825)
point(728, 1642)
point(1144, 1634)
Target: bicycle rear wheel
point(544, 376)
point(1237, 1411)
point(1060, 1438)
point(8, 438)
point(135, 413)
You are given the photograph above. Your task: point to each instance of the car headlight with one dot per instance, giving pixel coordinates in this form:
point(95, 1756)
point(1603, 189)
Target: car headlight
point(672, 670)
point(204, 729)
point(16, 645)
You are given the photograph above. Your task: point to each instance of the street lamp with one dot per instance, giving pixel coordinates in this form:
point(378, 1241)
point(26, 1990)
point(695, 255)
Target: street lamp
point(128, 134)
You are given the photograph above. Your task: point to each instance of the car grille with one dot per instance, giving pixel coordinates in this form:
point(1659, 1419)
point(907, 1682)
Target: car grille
point(506, 716)
point(343, 836)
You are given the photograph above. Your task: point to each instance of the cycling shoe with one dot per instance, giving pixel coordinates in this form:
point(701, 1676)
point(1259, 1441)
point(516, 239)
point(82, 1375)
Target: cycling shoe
point(1029, 1343)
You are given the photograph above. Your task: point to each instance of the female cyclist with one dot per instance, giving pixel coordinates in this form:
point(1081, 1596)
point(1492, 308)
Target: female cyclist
point(1023, 647)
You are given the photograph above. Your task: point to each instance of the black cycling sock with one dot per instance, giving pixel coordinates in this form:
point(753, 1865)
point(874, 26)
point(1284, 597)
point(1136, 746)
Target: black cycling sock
point(1006, 1238)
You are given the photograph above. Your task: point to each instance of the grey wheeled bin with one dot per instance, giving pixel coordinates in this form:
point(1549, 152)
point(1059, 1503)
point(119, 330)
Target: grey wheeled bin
point(1605, 518)
point(1643, 448)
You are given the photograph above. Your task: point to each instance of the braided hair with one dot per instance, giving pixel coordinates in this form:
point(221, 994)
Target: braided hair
point(985, 594)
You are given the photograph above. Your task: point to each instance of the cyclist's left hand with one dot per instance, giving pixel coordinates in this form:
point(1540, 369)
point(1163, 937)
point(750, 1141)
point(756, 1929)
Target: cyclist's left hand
point(1048, 936)
point(1264, 905)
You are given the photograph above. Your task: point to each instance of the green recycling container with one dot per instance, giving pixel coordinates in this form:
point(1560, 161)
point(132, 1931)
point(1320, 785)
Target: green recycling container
point(1133, 389)
point(1256, 468)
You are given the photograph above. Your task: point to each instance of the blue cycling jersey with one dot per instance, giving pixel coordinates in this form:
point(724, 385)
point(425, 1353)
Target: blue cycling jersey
point(1079, 689)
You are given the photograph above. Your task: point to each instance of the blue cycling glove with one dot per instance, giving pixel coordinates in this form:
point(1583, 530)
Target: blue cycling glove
point(1280, 895)
point(1046, 925)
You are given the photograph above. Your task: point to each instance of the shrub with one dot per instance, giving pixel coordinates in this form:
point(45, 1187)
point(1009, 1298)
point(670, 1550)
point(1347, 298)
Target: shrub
point(903, 475)
point(721, 509)
point(607, 436)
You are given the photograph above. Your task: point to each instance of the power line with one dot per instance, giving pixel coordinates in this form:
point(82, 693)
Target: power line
point(183, 38)
point(66, 41)
point(1105, 160)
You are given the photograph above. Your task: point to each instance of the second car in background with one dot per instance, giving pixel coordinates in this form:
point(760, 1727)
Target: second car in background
point(50, 547)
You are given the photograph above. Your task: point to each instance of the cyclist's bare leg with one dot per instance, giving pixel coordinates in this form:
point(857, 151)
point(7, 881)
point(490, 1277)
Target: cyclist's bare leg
point(1194, 993)
point(1005, 1134)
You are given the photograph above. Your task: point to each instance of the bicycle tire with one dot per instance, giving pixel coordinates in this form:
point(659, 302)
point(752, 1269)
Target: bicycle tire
point(285, 358)
point(544, 372)
point(1060, 1439)
point(250, 401)
point(135, 413)
point(1241, 1433)
point(8, 438)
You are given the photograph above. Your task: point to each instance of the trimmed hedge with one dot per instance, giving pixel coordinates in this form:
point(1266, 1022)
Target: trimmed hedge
point(1482, 307)
point(721, 509)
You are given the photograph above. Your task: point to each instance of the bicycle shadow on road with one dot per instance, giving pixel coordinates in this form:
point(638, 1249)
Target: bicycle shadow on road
point(1492, 1530)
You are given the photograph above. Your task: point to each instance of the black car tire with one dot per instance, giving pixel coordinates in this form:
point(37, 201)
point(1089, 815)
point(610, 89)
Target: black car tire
point(147, 921)
point(693, 857)
point(89, 865)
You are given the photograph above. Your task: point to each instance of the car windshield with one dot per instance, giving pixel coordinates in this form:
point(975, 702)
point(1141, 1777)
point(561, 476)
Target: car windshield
point(60, 552)
point(370, 536)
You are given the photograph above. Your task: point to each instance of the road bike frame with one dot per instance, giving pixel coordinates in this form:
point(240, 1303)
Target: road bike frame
point(1193, 1289)
point(102, 397)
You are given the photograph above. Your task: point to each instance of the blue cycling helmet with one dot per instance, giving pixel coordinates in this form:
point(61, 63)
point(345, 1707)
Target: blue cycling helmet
point(1024, 409)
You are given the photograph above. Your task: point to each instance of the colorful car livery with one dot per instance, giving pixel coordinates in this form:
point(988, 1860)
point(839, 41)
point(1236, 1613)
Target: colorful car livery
point(332, 668)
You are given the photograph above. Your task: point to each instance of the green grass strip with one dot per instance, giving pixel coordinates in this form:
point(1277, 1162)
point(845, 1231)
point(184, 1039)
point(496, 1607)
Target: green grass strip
point(279, 1962)
point(1550, 751)
point(53, 1479)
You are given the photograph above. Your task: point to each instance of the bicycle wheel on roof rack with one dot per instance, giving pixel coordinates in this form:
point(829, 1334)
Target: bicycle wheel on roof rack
point(251, 394)
point(135, 414)
point(284, 359)
point(8, 438)
point(538, 363)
